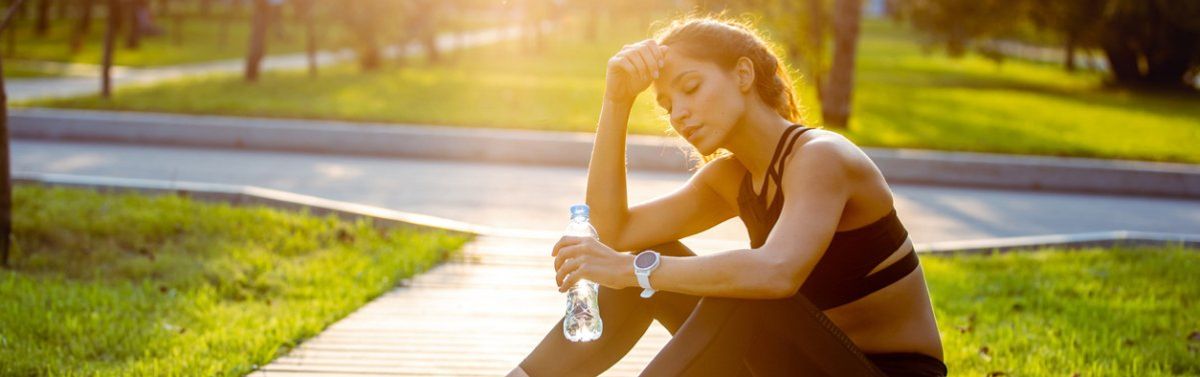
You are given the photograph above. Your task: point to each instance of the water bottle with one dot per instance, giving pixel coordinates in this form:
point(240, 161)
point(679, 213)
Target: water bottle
point(582, 321)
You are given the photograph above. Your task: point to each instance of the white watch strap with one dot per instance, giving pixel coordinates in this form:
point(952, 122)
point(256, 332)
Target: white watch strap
point(644, 281)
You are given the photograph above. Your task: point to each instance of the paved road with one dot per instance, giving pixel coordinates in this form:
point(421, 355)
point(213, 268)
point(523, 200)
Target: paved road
point(537, 198)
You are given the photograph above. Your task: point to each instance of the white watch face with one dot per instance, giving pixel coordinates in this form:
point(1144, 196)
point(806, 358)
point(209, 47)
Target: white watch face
point(644, 260)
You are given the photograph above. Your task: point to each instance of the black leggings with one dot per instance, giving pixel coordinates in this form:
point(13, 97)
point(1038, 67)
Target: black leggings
point(711, 336)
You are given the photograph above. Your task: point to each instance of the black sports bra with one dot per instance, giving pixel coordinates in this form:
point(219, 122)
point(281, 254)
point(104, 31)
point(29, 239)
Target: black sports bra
point(841, 275)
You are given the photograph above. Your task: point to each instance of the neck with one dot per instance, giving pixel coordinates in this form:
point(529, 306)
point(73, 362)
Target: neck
point(754, 138)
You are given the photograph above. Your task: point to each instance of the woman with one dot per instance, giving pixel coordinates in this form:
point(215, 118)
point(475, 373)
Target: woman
point(830, 285)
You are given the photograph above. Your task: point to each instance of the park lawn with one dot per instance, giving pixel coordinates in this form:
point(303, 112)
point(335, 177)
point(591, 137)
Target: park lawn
point(903, 98)
point(201, 40)
point(22, 71)
point(127, 284)
point(1097, 312)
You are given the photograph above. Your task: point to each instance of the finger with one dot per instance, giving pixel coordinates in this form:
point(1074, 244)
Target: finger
point(564, 241)
point(663, 50)
point(567, 253)
point(567, 267)
point(636, 61)
point(628, 67)
point(656, 49)
point(572, 278)
point(648, 63)
point(651, 63)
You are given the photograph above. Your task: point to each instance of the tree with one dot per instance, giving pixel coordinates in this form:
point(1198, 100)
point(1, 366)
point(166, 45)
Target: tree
point(1148, 43)
point(5, 173)
point(82, 27)
point(304, 9)
point(110, 38)
point(258, 39)
point(836, 99)
point(42, 25)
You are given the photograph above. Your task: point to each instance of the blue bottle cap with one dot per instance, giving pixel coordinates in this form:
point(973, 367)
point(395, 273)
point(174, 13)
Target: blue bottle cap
point(579, 210)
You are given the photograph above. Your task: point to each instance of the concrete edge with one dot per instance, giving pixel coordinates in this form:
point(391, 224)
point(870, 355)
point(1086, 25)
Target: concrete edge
point(250, 195)
point(1058, 174)
point(1116, 238)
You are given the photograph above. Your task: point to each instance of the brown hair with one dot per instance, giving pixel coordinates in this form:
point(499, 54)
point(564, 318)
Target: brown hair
point(723, 41)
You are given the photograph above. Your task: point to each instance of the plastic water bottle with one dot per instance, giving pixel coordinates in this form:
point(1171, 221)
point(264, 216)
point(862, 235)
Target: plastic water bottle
point(582, 321)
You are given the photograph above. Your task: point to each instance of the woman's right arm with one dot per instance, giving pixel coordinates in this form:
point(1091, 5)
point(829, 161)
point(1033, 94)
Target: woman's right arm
point(628, 73)
point(606, 189)
point(689, 210)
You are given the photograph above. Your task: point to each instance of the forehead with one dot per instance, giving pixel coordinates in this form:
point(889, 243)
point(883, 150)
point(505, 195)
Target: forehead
point(675, 64)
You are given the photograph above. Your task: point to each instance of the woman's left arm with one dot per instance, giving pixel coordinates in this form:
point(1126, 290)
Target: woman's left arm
point(815, 184)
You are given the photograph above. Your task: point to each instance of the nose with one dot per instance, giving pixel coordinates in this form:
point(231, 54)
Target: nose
point(678, 114)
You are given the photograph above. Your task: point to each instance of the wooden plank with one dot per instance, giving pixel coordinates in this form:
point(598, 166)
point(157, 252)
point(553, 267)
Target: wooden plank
point(480, 314)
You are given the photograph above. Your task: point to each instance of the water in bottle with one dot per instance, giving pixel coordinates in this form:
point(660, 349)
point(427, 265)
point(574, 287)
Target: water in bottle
point(582, 322)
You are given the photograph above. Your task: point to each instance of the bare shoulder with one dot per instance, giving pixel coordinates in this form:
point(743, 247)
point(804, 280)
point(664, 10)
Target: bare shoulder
point(830, 152)
point(722, 175)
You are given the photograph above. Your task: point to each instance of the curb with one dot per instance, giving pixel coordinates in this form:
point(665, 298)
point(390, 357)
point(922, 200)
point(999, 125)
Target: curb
point(1123, 238)
point(251, 195)
point(573, 149)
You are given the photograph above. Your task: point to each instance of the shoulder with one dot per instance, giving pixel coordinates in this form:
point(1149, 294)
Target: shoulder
point(722, 175)
point(824, 158)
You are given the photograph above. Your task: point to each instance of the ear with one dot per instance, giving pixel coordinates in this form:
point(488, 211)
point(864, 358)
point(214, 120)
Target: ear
point(744, 74)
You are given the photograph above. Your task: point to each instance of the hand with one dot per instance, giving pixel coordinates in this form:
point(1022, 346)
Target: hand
point(578, 258)
point(632, 70)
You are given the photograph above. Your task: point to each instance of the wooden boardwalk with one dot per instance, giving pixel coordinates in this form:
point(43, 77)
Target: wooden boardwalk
point(477, 315)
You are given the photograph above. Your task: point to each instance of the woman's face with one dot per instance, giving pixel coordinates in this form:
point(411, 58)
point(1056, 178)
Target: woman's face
point(702, 98)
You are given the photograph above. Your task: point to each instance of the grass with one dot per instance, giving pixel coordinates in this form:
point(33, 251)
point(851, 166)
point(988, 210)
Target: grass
point(125, 284)
point(1098, 312)
point(903, 98)
point(200, 41)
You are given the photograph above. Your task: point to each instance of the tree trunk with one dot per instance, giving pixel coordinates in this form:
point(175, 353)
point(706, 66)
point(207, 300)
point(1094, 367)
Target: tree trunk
point(304, 9)
point(42, 25)
point(1122, 60)
point(5, 176)
point(83, 27)
point(816, 41)
point(136, 26)
point(258, 38)
point(5, 173)
point(110, 38)
point(1170, 61)
point(835, 107)
point(1069, 49)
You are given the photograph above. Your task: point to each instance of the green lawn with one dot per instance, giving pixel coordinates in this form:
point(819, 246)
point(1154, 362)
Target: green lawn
point(1099, 312)
point(903, 98)
point(200, 41)
point(108, 284)
point(21, 71)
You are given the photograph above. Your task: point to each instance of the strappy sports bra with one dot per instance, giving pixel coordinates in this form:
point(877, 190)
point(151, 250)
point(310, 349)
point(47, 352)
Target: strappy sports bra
point(841, 275)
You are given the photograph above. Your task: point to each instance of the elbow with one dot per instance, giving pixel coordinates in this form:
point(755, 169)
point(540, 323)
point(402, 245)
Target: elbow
point(782, 281)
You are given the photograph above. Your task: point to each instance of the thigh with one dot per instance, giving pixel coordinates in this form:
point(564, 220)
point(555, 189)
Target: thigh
point(712, 342)
point(793, 336)
point(784, 337)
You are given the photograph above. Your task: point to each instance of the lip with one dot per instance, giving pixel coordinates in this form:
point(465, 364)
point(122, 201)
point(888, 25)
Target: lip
point(689, 131)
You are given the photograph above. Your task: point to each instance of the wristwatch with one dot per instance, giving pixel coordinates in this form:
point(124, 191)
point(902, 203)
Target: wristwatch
point(643, 264)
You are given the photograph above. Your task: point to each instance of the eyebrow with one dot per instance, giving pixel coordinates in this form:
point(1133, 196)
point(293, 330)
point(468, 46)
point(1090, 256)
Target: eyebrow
point(659, 97)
